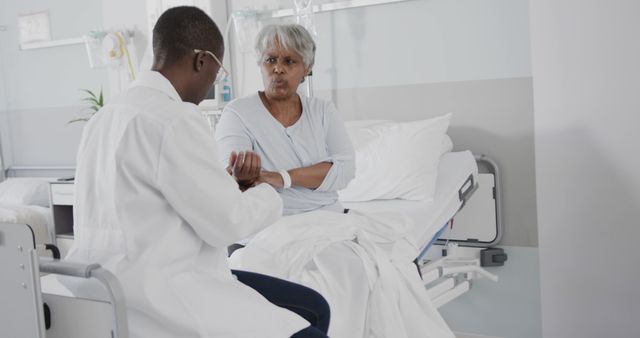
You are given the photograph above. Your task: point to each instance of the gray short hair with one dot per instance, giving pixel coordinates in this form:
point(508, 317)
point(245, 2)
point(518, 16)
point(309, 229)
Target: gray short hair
point(294, 37)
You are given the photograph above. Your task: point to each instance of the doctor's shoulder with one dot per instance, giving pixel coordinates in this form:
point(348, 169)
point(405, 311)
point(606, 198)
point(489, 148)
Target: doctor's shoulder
point(169, 111)
point(186, 115)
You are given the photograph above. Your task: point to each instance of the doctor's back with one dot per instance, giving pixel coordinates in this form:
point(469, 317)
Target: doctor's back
point(155, 207)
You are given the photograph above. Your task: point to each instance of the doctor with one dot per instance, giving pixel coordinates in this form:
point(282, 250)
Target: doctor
point(158, 210)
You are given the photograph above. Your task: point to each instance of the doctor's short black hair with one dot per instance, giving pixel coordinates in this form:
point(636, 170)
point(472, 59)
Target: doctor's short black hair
point(180, 30)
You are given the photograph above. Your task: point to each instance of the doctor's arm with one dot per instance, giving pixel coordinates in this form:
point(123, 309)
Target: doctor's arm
point(201, 191)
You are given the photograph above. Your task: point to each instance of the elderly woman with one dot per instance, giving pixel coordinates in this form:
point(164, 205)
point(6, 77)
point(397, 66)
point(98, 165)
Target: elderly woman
point(305, 151)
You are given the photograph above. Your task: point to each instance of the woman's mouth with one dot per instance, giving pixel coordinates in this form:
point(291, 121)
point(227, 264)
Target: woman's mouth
point(279, 83)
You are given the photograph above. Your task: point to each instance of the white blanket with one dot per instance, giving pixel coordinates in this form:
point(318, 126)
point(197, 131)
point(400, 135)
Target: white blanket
point(362, 264)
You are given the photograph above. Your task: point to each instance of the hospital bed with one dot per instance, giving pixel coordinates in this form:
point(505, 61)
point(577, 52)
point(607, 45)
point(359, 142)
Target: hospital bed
point(38, 307)
point(446, 277)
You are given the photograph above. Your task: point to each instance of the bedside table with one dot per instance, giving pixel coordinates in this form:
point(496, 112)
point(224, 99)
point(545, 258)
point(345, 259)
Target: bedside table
point(62, 199)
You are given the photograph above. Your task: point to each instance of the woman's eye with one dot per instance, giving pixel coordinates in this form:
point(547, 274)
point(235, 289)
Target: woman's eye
point(270, 60)
point(290, 62)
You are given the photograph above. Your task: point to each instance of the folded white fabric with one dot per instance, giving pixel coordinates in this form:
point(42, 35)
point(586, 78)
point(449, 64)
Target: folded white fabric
point(25, 191)
point(396, 159)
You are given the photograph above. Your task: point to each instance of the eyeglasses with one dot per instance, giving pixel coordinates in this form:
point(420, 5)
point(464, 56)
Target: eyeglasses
point(222, 72)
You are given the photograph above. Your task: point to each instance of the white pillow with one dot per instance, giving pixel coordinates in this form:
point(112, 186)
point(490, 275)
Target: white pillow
point(25, 191)
point(396, 159)
point(447, 144)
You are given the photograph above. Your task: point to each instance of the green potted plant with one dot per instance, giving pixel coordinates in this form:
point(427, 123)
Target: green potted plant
point(94, 103)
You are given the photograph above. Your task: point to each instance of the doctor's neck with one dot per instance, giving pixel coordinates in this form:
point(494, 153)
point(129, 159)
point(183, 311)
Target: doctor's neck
point(181, 78)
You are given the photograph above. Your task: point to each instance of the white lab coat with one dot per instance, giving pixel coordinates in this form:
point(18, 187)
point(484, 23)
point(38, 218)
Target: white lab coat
point(155, 206)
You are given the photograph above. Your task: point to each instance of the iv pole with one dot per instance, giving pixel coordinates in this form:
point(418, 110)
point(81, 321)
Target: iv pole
point(309, 88)
point(304, 16)
point(2, 171)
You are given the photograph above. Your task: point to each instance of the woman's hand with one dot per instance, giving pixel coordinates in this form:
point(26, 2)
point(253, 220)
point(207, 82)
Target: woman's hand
point(245, 167)
point(271, 177)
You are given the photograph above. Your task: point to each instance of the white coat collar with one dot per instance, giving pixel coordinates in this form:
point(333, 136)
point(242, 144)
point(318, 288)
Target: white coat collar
point(155, 80)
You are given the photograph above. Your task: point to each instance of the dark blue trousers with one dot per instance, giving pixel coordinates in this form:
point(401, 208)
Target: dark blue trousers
point(302, 300)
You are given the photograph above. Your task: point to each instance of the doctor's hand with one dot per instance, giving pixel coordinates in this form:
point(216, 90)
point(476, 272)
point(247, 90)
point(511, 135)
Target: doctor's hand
point(245, 167)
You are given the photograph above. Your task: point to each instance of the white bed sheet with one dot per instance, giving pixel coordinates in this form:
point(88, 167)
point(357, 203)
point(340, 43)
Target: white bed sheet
point(36, 217)
point(361, 264)
point(430, 216)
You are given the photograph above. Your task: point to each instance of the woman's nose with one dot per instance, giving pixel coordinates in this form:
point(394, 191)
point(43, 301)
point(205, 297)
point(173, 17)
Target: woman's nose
point(278, 69)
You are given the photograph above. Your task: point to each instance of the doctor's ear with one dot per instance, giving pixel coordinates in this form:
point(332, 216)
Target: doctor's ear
point(198, 61)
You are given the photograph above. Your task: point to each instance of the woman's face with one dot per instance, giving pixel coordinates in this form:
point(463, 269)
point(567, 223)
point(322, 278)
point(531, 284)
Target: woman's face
point(282, 72)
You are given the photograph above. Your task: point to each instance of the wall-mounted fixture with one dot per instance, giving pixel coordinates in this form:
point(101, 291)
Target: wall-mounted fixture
point(51, 43)
point(328, 7)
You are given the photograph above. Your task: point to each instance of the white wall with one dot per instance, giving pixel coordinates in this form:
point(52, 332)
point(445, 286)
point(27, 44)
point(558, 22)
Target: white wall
point(40, 89)
point(412, 42)
point(586, 71)
point(48, 77)
point(509, 308)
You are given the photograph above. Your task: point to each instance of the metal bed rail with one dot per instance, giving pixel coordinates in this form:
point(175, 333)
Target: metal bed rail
point(467, 190)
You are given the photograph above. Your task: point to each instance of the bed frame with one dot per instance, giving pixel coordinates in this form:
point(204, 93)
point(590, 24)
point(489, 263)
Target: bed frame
point(450, 273)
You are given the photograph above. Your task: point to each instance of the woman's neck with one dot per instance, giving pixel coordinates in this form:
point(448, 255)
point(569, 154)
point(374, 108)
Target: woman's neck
point(287, 111)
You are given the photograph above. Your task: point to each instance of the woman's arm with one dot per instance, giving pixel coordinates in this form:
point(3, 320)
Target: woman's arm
point(309, 177)
point(332, 174)
point(342, 159)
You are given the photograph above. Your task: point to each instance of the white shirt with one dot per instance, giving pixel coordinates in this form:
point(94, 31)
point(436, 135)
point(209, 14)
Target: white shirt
point(318, 136)
point(158, 210)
